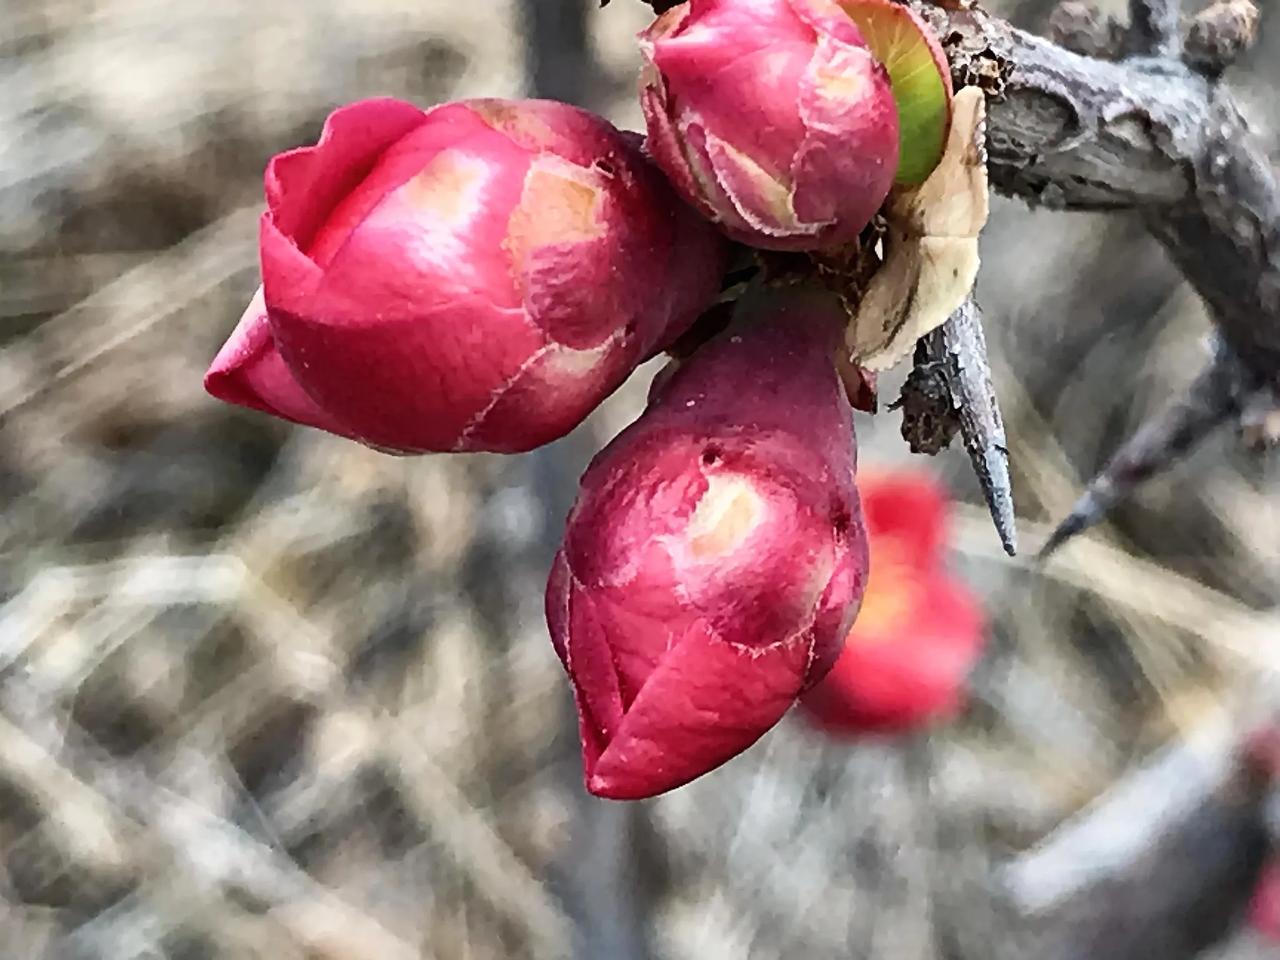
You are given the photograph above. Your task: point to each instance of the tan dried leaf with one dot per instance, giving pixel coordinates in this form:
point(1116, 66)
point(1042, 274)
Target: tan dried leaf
point(931, 248)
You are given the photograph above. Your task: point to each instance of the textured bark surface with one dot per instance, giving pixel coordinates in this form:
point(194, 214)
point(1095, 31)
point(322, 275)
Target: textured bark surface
point(1072, 132)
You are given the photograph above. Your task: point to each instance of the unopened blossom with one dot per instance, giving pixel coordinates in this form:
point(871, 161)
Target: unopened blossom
point(907, 658)
point(772, 117)
point(715, 555)
point(477, 276)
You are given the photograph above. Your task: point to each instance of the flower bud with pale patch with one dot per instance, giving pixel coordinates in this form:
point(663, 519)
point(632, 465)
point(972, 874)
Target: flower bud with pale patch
point(773, 117)
point(716, 553)
point(478, 276)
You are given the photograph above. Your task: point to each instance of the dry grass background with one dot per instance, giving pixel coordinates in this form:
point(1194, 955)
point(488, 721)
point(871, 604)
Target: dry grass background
point(264, 693)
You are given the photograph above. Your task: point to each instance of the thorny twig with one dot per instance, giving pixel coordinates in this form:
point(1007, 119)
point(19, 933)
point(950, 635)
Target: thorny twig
point(1154, 132)
point(952, 366)
point(1072, 132)
point(981, 426)
point(1218, 395)
point(1161, 135)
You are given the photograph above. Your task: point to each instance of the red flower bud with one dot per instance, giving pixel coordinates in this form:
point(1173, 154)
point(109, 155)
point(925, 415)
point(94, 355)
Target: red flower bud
point(473, 277)
point(773, 117)
point(909, 653)
point(715, 555)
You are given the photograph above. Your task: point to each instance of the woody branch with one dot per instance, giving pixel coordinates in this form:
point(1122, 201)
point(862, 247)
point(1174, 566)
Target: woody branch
point(1148, 133)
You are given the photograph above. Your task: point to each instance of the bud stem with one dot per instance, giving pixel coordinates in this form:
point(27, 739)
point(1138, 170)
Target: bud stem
point(811, 310)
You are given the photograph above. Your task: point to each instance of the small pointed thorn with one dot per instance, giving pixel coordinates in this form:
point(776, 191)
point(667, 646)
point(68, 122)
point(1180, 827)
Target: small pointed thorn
point(1213, 397)
point(968, 373)
point(1165, 439)
point(1087, 512)
point(997, 488)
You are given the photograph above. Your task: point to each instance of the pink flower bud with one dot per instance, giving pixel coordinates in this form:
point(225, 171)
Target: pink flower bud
point(771, 116)
point(907, 658)
point(473, 277)
point(715, 555)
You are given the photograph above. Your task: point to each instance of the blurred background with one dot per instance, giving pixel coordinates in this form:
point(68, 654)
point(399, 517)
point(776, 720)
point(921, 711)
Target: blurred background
point(265, 693)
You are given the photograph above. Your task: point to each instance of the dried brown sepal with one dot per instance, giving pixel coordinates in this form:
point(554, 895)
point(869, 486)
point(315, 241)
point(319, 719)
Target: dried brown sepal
point(930, 420)
point(931, 246)
point(859, 385)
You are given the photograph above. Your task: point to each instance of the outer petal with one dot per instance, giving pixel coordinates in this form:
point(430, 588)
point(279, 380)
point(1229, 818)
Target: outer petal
point(552, 127)
point(401, 331)
point(305, 185)
point(737, 66)
point(773, 117)
point(835, 614)
point(579, 239)
point(250, 372)
point(416, 383)
point(846, 164)
point(688, 169)
point(426, 224)
point(438, 201)
point(705, 703)
point(589, 660)
point(548, 397)
point(557, 605)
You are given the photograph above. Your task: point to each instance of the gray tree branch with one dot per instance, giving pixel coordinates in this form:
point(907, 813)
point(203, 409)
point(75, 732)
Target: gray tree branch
point(1149, 133)
point(1154, 30)
point(1217, 395)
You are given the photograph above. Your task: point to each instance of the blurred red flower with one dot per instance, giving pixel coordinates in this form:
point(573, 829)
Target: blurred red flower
point(907, 657)
point(1264, 909)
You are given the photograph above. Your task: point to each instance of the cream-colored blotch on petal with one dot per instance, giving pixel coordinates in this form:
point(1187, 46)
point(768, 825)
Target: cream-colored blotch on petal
point(725, 516)
point(449, 189)
point(931, 255)
point(560, 204)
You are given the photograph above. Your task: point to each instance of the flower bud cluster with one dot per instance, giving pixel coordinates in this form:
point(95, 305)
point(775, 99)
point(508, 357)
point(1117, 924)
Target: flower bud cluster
point(481, 275)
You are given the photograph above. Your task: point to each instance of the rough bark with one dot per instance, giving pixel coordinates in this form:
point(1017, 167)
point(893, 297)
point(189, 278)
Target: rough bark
point(1072, 132)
